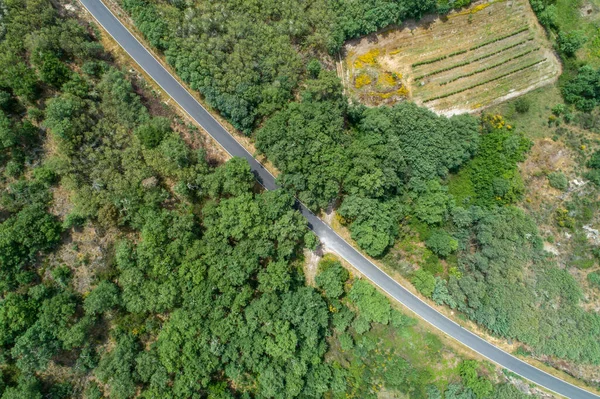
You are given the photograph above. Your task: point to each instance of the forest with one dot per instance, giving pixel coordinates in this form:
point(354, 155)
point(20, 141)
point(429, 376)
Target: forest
point(397, 172)
point(192, 286)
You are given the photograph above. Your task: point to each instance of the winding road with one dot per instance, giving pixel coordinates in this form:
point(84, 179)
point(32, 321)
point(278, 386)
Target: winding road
point(327, 236)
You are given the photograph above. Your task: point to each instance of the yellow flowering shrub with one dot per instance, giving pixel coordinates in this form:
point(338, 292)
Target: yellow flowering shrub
point(362, 80)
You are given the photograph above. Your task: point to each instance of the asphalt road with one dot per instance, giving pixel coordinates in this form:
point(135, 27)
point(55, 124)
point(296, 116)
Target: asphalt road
point(170, 85)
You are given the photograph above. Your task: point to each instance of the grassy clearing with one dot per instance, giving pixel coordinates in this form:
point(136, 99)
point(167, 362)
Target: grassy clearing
point(464, 62)
point(582, 15)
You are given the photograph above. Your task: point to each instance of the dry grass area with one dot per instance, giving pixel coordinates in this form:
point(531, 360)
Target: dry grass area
point(463, 62)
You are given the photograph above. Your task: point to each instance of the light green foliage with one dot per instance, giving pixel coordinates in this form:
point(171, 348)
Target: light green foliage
point(492, 177)
point(424, 282)
point(346, 341)
point(27, 387)
point(372, 305)
point(558, 180)
point(594, 279)
point(93, 391)
point(491, 290)
point(481, 386)
point(331, 278)
point(508, 391)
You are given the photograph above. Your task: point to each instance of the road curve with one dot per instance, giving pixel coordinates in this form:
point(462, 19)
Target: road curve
point(186, 101)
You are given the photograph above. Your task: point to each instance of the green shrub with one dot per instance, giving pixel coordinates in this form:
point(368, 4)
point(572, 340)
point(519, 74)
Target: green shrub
point(522, 105)
point(441, 243)
point(424, 282)
point(558, 180)
point(331, 278)
point(372, 306)
point(346, 342)
point(594, 279)
point(152, 133)
point(569, 42)
point(313, 68)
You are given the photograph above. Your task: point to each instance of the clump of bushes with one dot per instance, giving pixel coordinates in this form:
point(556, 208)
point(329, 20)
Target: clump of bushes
point(558, 180)
point(522, 105)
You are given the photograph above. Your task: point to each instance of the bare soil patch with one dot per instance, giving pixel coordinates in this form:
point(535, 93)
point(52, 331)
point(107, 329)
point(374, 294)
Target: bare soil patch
point(463, 62)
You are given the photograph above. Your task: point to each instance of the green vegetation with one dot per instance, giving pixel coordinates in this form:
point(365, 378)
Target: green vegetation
point(134, 267)
point(389, 169)
point(558, 180)
point(198, 289)
point(192, 297)
point(441, 58)
point(246, 70)
point(375, 349)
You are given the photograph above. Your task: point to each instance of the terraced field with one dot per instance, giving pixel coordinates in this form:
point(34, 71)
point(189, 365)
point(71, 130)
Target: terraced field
point(465, 62)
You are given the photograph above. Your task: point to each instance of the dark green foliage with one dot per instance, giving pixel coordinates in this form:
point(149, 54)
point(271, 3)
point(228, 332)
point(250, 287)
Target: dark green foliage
point(569, 42)
point(374, 223)
point(117, 368)
point(431, 145)
point(583, 90)
point(62, 275)
point(304, 140)
point(594, 164)
point(102, 298)
point(148, 20)
point(331, 278)
point(27, 387)
point(152, 133)
point(594, 161)
point(558, 180)
point(522, 105)
point(313, 68)
point(357, 18)
point(432, 202)
point(24, 235)
point(441, 243)
point(245, 70)
point(52, 70)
